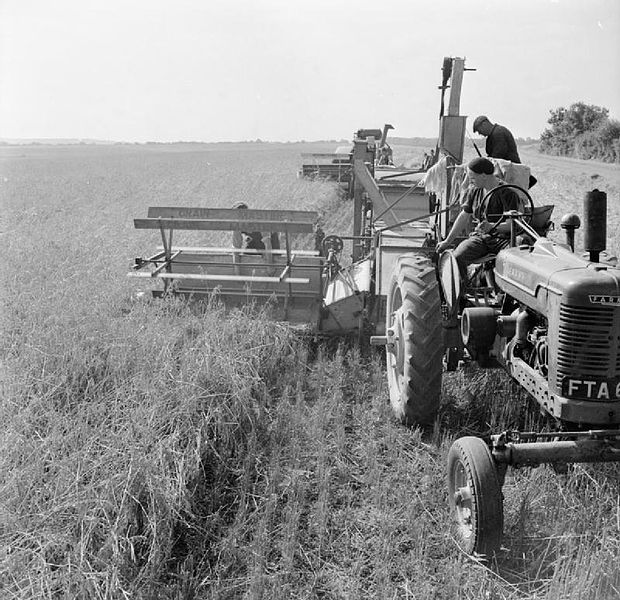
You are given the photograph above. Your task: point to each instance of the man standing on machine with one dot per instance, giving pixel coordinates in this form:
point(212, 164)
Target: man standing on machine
point(500, 142)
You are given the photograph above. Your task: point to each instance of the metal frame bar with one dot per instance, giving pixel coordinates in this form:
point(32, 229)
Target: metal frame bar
point(216, 250)
point(303, 295)
point(235, 214)
point(226, 264)
point(166, 252)
point(289, 265)
point(399, 174)
point(364, 176)
point(224, 224)
point(248, 279)
point(165, 264)
point(155, 257)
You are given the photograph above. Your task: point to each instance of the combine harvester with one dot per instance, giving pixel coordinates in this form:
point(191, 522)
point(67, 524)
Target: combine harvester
point(337, 166)
point(548, 316)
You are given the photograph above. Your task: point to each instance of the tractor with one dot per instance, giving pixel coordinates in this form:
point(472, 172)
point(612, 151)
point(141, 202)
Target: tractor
point(551, 319)
point(548, 316)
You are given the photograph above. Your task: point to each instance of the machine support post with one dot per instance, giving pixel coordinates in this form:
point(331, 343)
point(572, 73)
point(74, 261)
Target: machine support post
point(289, 264)
point(456, 82)
point(167, 252)
point(364, 153)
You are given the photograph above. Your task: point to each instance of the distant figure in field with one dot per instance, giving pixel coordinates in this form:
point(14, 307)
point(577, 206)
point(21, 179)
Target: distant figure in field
point(429, 160)
point(500, 142)
point(385, 155)
point(253, 240)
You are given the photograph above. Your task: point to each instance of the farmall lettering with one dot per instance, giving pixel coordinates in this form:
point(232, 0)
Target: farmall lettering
point(519, 275)
point(613, 300)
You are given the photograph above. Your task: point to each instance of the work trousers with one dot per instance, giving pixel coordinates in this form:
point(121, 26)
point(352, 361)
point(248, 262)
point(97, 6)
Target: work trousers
point(476, 246)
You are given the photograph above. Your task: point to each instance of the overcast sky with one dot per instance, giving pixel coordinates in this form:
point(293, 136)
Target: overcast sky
point(209, 70)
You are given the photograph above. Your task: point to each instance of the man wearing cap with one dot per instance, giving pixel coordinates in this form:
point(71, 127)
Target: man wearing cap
point(500, 142)
point(482, 240)
point(252, 240)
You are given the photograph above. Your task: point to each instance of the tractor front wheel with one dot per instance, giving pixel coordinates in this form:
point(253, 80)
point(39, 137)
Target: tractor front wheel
point(415, 340)
point(475, 495)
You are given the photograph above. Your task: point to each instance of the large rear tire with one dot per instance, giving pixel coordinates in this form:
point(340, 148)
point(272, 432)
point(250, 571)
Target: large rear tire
point(475, 495)
point(415, 342)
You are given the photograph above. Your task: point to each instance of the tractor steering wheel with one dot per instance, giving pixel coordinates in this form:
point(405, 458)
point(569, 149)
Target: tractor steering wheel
point(526, 216)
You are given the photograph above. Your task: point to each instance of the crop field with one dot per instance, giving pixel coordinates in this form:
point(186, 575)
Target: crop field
point(153, 450)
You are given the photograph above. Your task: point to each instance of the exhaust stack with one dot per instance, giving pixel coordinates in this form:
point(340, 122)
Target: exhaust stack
point(595, 217)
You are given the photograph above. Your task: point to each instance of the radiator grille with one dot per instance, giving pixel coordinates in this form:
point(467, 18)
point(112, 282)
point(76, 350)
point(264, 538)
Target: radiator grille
point(588, 342)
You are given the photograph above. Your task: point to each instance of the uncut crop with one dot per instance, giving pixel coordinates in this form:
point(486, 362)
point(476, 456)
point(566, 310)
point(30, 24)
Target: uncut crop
point(158, 450)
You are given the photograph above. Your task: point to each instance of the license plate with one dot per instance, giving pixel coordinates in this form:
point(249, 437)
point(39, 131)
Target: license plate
point(591, 389)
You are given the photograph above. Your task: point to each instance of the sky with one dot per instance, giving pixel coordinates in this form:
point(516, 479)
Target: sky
point(288, 70)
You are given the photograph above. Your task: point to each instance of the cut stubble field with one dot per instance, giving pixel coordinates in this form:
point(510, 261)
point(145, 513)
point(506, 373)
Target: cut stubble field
point(150, 450)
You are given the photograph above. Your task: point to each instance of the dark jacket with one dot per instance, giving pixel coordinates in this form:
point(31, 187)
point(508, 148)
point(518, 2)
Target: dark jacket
point(253, 240)
point(501, 144)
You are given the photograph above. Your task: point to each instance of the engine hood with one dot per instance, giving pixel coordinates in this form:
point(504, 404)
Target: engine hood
point(530, 273)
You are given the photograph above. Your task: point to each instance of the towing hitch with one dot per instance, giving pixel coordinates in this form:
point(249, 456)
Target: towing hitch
point(531, 449)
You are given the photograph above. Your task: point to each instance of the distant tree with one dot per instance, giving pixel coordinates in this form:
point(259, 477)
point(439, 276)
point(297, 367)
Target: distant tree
point(609, 138)
point(582, 130)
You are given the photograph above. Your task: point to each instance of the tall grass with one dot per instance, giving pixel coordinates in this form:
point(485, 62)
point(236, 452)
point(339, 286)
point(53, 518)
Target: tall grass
point(160, 450)
point(117, 445)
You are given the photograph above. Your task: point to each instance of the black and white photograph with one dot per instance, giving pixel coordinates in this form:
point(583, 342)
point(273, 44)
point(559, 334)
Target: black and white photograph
point(309, 300)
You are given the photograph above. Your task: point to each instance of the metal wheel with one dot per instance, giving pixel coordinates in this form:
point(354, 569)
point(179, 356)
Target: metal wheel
point(475, 496)
point(415, 344)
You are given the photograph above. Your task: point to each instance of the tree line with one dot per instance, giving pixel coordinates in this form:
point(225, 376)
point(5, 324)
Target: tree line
point(582, 131)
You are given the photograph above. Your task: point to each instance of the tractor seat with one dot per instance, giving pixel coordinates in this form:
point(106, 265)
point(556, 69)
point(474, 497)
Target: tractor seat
point(541, 219)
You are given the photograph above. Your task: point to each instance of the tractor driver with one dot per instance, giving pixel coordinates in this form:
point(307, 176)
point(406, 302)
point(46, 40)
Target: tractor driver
point(480, 172)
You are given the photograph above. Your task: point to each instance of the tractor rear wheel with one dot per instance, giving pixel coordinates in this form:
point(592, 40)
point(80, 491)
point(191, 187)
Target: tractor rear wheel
point(475, 495)
point(415, 340)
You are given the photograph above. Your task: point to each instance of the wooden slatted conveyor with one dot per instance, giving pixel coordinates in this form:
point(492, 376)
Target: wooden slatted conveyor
point(288, 279)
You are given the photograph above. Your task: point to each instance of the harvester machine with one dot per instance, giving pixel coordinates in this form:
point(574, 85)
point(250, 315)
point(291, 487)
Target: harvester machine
point(261, 264)
point(395, 227)
point(337, 166)
point(550, 317)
